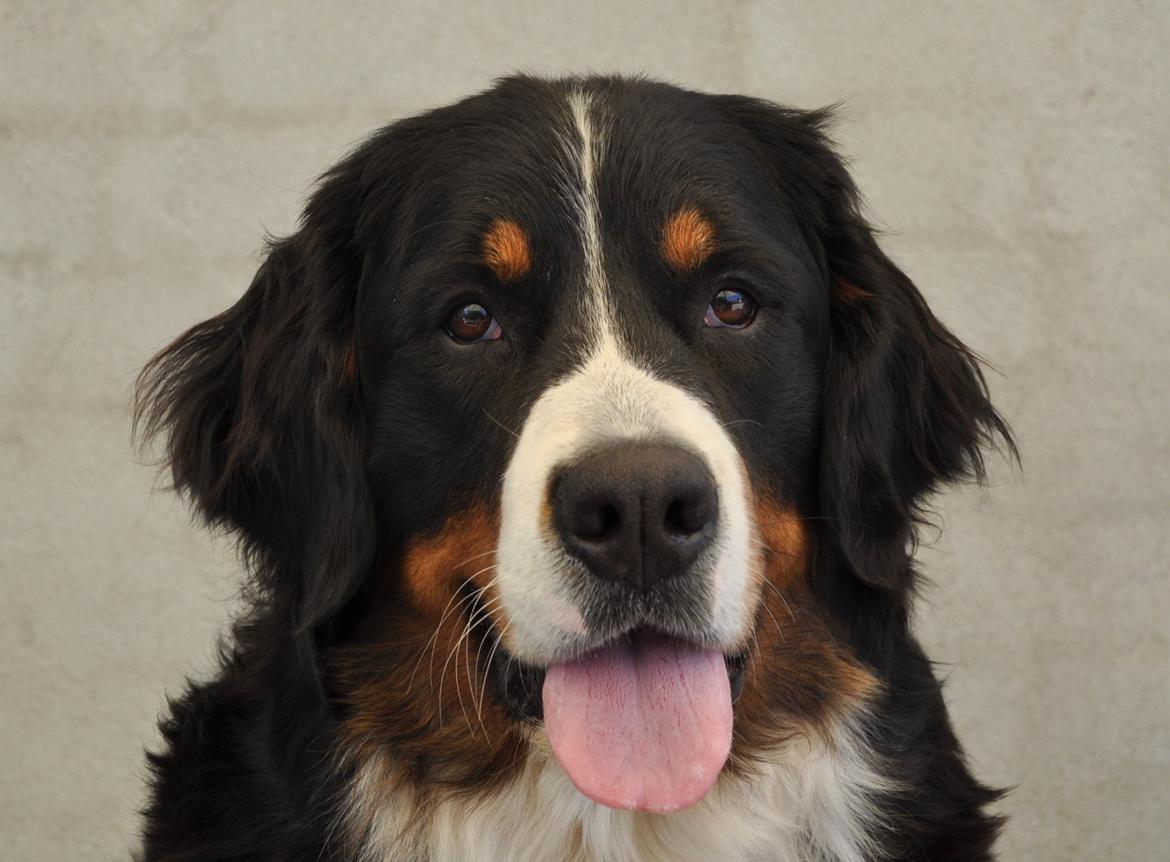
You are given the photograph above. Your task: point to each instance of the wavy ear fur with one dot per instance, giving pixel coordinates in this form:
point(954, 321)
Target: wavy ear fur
point(259, 407)
point(906, 404)
point(907, 409)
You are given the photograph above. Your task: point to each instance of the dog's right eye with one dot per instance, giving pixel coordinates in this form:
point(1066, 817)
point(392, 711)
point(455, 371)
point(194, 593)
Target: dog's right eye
point(731, 308)
point(473, 322)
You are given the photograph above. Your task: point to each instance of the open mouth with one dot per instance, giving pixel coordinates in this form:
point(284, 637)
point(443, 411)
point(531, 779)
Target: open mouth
point(642, 722)
point(521, 686)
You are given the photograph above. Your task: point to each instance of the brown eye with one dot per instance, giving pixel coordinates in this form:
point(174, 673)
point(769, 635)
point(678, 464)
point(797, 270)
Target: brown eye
point(730, 307)
point(473, 322)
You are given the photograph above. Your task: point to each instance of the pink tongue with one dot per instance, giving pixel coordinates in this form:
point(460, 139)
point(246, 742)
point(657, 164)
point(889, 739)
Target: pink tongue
point(643, 725)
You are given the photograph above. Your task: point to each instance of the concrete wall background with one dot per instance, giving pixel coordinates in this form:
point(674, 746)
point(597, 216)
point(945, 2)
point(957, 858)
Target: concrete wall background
point(1017, 154)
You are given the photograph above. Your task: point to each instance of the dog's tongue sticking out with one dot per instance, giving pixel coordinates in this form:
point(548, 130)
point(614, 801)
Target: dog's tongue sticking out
point(643, 724)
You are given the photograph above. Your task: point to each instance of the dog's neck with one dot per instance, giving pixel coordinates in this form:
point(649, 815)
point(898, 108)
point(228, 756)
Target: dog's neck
point(814, 799)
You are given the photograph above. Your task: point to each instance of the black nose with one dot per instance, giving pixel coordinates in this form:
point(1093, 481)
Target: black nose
point(638, 512)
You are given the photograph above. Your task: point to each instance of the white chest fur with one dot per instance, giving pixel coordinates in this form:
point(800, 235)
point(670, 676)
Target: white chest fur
point(813, 801)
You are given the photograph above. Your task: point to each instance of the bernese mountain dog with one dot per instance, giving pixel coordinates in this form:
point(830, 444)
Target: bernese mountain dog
point(576, 444)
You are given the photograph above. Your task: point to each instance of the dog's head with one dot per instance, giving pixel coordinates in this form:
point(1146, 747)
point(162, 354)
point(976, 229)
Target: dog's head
point(592, 402)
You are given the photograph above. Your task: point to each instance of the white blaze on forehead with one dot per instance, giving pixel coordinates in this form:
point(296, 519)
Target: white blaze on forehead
point(606, 399)
point(588, 158)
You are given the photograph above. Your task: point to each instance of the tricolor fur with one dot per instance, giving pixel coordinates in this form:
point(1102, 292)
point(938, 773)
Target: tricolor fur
point(394, 488)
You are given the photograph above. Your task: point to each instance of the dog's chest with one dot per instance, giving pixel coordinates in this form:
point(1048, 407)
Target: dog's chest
point(811, 803)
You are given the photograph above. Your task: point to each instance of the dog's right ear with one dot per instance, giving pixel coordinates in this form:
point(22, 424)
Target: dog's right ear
point(260, 408)
point(906, 408)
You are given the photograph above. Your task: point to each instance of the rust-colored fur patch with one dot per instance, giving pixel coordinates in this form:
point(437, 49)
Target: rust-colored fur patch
point(434, 566)
point(800, 673)
point(849, 293)
point(785, 542)
point(506, 251)
point(688, 239)
point(349, 367)
point(413, 682)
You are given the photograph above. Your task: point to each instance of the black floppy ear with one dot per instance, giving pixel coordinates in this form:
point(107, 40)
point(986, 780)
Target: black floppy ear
point(260, 411)
point(906, 409)
point(906, 404)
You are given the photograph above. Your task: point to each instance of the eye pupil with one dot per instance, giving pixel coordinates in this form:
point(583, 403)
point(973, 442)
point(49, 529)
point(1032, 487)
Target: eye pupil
point(731, 307)
point(470, 322)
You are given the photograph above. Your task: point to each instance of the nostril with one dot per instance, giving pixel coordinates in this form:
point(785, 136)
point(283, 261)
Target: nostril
point(597, 521)
point(687, 515)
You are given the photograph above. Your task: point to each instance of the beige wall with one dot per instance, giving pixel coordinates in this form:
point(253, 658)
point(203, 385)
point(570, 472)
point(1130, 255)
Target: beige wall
point(1017, 156)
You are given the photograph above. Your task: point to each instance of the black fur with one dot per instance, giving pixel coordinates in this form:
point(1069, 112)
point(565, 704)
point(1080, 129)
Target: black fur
point(859, 405)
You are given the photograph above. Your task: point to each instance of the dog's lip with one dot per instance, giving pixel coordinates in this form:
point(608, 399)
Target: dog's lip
point(520, 685)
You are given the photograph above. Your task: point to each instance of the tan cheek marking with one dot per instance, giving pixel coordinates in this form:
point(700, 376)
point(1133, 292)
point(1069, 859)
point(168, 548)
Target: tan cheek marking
point(688, 239)
point(786, 542)
point(506, 251)
point(463, 549)
point(415, 678)
point(801, 674)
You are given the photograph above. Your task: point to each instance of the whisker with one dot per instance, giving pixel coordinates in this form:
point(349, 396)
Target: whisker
point(776, 622)
point(501, 424)
point(490, 658)
point(465, 638)
point(482, 612)
point(432, 643)
point(471, 595)
point(475, 557)
point(735, 422)
point(458, 688)
point(434, 634)
point(780, 596)
point(777, 551)
point(474, 595)
point(488, 606)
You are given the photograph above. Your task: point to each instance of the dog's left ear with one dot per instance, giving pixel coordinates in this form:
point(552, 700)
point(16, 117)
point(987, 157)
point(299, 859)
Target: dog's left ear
point(260, 408)
point(906, 406)
point(906, 409)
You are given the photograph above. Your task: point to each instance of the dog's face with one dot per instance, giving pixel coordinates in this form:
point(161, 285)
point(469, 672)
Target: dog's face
point(584, 411)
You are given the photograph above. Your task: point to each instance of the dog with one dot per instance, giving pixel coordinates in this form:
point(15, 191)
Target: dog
point(576, 444)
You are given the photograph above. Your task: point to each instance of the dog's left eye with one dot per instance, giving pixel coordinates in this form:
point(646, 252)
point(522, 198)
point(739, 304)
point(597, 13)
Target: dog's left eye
point(731, 308)
point(473, 322)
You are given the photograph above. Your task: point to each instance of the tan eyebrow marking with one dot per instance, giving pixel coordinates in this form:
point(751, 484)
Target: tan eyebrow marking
point(506, 251)
point(688, 239)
